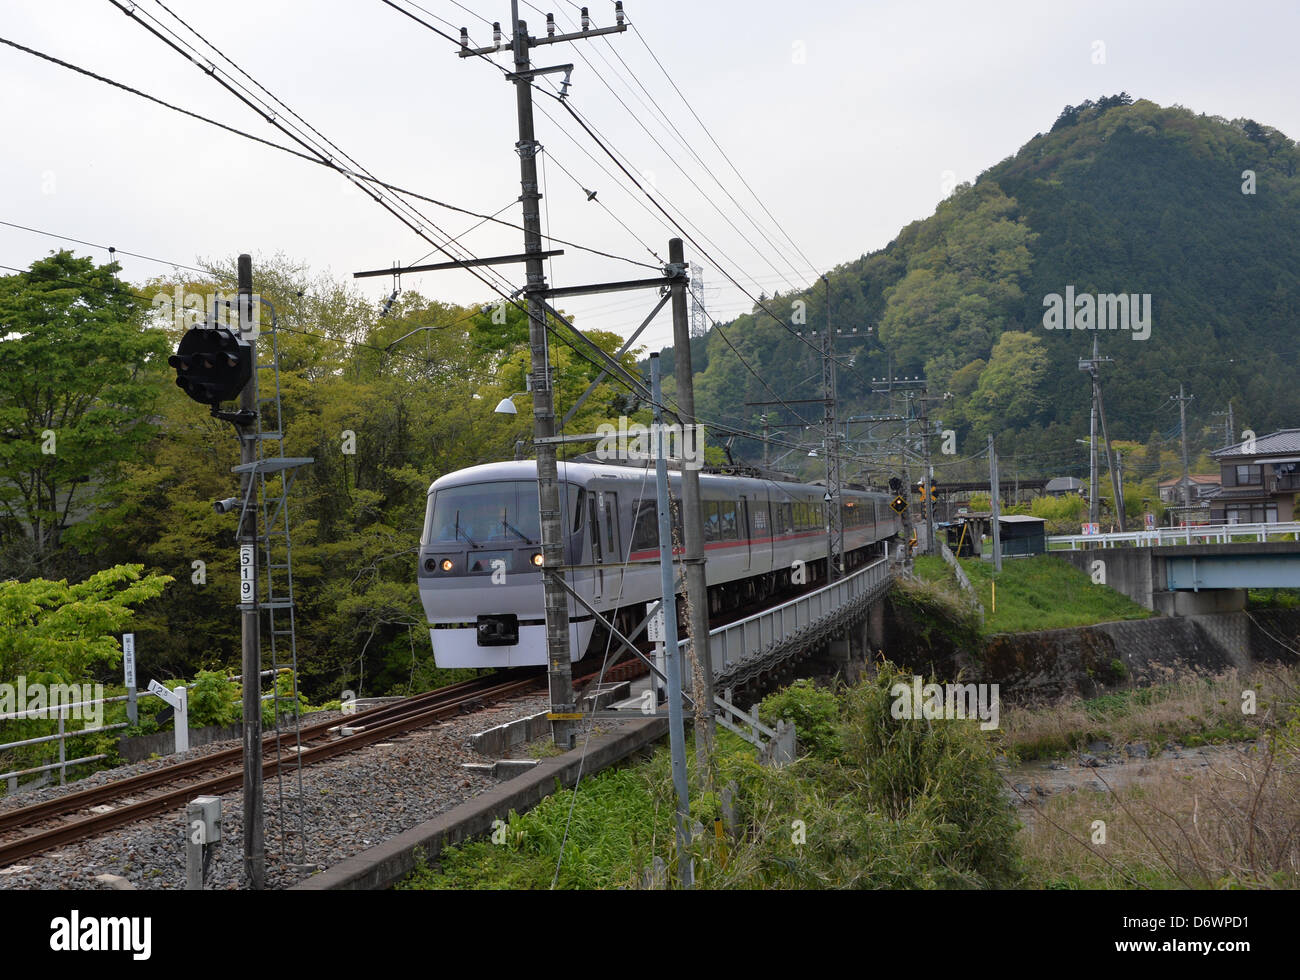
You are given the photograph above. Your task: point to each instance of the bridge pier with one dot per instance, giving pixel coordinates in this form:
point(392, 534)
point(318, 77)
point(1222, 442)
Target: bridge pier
point(1202, 603)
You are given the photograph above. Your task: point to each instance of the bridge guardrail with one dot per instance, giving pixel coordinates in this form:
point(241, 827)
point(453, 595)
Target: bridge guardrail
point(750, 639)
point(1204, 534)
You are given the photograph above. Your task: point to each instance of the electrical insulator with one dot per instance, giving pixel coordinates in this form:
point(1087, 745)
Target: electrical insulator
point(550, 25)
point(618, 12)
point(586, 20)
point(464, 37)
point(496, 34)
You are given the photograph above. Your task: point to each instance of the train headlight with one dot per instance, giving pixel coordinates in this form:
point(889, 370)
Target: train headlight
point(430, 565)
point(447, 564)
point(538, 560)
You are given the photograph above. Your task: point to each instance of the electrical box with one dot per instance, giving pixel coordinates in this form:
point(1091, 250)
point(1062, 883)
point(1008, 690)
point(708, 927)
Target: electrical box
point(209, 808)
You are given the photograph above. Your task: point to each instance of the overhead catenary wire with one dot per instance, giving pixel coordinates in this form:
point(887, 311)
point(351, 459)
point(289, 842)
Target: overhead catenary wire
point(399, 207)
point(272, 144)
point(671, 156)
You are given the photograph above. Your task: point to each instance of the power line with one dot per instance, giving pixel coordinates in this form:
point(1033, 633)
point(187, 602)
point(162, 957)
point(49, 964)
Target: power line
point(685, 145)
point(304, 156)
point(108, 248)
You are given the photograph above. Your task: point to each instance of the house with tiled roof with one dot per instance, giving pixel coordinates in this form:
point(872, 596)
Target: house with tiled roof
point(1202, 485)
point(1260, 478)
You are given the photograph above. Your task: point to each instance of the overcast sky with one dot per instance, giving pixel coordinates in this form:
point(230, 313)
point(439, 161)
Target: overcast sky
point(848, 119)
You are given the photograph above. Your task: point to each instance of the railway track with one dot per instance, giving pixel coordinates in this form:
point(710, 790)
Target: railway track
point(30, 830)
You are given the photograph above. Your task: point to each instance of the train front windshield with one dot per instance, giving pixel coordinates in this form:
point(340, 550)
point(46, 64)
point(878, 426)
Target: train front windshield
point(484, 512)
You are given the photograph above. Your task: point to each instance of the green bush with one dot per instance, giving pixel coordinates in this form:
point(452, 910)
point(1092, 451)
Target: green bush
point(814, 711)
point(214, 700)
point(940, 772)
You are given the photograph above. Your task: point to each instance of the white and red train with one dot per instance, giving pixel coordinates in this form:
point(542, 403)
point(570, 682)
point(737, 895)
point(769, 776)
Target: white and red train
point(480, 554)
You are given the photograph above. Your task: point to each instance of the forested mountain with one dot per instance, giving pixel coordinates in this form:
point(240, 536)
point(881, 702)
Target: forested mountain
point(1198, 212)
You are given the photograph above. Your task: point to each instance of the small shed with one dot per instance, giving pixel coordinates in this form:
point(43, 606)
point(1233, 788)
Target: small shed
point(1022, 535)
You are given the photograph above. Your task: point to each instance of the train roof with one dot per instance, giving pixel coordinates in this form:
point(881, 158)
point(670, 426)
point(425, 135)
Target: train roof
point(582, 473)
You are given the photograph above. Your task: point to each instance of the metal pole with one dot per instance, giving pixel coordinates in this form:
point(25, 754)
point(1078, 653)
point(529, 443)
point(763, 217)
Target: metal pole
point(697, 592)
point(193, 846)
point(928, 502)
point(559, 670)
point(672, 652)
point(254, 852)
point(994, 497)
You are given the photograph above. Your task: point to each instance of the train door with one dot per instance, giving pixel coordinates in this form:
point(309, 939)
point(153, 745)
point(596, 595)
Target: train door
point(742, 527)
point(593, 532)
point(612, 544)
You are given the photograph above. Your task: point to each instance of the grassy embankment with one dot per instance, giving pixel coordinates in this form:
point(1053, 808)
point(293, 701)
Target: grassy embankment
point(879, 802)
point(1039, 593)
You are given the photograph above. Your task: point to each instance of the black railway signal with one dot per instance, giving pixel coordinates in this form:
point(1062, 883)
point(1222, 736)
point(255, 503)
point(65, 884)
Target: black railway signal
point(212, 365)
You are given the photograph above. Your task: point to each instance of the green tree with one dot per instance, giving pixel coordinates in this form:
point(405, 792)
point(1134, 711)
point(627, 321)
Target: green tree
point(1010, 392)
point(79, 377)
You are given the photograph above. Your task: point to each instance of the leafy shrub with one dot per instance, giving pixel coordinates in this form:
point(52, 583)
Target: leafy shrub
point(213, 700)
point(814, 711)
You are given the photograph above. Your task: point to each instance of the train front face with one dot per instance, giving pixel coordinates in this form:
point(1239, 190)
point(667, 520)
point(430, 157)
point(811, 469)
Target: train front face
point(480, 569)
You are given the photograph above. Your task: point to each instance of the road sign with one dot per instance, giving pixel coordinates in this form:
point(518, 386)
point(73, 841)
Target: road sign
point(898, 504)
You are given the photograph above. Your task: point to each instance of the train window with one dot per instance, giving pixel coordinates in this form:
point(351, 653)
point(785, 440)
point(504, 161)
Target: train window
point(787, 518)
point(645, 534)
point(577, 501)
point(727, 520)
point(710, 520)
point(593, 529)
point(480, 512)
point(611, 527)
point(760, 520)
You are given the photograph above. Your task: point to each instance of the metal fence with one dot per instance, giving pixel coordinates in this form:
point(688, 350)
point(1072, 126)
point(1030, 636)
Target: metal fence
point(1202, 534)
point(60, 713)
point(752, 637)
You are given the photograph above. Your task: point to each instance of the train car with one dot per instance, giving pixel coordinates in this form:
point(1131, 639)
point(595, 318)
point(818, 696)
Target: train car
point(480, 554)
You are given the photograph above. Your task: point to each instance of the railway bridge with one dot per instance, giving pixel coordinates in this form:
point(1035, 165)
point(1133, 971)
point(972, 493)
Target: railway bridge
point(1190, 571)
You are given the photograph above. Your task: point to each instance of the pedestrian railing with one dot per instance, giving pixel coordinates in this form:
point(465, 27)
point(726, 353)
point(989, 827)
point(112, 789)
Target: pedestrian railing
point(1202, 534)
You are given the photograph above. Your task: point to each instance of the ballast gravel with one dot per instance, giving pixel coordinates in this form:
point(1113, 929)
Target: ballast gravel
point(348, 804)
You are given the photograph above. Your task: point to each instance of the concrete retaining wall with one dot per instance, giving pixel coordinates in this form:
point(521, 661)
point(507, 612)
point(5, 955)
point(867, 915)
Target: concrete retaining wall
point(137, 748)
point(388, 863)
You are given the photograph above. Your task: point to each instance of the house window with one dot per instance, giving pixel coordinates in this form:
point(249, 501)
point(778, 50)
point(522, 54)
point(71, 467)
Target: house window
point(1249, 476)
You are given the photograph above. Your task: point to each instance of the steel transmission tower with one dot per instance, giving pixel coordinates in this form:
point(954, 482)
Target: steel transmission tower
point(699, 316)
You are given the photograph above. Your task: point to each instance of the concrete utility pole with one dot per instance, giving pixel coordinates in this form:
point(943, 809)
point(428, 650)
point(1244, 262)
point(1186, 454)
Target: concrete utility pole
point(1094, 502)
point(253, 833)
point(697, 591)
point(672, 652)
point(996, 506)
point(559, 664)
point(834, 516)
point(1182, 432)
point(1099, 407)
